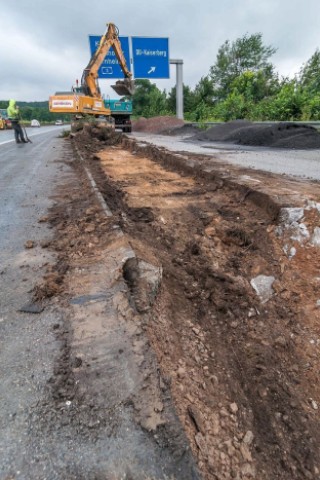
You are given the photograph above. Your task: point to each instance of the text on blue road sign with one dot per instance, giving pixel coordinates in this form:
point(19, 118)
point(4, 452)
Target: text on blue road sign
point(150, 57)
point(110, 67)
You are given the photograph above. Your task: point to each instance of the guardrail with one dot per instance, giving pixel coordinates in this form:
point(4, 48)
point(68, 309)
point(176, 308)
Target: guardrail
point(315, 124)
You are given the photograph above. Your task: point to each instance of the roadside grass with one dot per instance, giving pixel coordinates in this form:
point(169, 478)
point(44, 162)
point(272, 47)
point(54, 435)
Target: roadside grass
point(64, 134)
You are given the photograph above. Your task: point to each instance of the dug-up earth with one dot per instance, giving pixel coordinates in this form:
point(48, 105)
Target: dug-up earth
point(235, 321)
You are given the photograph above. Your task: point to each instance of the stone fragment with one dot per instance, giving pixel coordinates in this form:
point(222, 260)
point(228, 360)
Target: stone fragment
point(223, 412)
point(314, 404)
point(290, 215)
point(300, 232)
point(201, 443)
point(281, 341)
point(262, 285)
point(197, 418)
point(245, 452)
point(234, 407)
point(90, 228)
point(29, 244)
point(248, 471)
point(248, 438)
point(31, 308)
point(315, 239)
point(181, 372)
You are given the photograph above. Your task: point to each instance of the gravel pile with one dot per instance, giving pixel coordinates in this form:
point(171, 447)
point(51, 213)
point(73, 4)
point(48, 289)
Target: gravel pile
point(279, 135)
point(186, 129)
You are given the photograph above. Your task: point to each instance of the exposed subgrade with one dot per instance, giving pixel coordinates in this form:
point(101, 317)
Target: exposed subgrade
point(234, 368)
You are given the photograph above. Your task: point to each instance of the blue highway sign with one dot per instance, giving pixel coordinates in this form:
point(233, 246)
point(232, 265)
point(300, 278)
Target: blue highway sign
point(110, 67)
point(150, 57)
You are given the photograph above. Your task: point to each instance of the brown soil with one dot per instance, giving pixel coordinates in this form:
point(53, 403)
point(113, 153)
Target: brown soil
point(156, 124)
point(243, 375)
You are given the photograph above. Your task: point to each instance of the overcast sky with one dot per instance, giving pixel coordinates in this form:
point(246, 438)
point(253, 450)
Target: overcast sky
point(44, 43)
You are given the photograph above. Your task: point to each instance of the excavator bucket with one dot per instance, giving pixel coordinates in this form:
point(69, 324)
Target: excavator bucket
point(124, 87)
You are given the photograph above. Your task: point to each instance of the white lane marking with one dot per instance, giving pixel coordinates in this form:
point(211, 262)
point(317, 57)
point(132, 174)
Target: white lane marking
point(29, 135)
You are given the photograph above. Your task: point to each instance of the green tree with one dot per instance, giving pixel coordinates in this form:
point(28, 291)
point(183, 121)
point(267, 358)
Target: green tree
point(232, 108)
point(247, 53)
point(188, 100)
point(142, 95)
point(310, 74)
point(157, 104)
point(255, 85)
point(204, 91)
point(311, 108)
point(201, 112)
point(289, 102)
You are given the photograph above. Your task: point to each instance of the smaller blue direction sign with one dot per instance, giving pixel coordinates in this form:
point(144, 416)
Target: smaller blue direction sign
point(150, 57)
point(110, 67)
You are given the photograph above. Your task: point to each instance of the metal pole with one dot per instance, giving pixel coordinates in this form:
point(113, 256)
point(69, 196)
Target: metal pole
point(179, 87)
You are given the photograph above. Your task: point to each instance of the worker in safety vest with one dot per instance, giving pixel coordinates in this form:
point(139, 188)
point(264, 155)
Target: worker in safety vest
point(14, 116)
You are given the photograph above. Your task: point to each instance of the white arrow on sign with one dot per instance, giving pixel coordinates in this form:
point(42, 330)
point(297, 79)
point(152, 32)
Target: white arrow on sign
point(152, 69)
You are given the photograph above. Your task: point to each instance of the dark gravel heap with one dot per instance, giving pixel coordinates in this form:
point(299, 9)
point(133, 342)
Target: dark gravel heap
point(186, 129)
point(279, 135)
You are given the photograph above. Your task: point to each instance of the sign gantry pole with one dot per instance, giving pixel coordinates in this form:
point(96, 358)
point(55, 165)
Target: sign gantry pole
point(179, 87)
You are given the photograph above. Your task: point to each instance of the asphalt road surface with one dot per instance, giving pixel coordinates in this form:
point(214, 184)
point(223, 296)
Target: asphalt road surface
point(299, 163)
point(7, 136)
point(27, 349)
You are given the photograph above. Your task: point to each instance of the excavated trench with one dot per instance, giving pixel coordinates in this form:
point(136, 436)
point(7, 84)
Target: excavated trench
point(237, 376)
point(242, 373)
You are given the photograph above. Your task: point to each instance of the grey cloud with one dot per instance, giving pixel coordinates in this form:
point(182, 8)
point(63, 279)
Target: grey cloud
point(196, 30)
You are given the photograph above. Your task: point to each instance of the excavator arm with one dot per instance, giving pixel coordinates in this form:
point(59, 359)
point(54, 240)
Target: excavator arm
point(87, 99)
point(89, 81)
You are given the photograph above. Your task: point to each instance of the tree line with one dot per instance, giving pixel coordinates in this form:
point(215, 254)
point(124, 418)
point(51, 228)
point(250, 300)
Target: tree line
point(241, 84)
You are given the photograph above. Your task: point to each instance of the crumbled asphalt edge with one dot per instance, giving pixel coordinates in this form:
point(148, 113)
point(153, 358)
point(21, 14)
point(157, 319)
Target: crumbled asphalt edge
point(61, 404)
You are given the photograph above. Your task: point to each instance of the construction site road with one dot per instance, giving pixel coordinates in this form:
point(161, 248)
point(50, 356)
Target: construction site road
point(7, 136)
point(300, 163)
point(79, 394)
point(159, 314)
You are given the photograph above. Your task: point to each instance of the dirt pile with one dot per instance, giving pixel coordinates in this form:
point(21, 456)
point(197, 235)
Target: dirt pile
point(156, 124)
point(279, 135)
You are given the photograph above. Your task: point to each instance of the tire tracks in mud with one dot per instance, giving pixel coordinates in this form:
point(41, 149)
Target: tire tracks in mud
point(232, 366)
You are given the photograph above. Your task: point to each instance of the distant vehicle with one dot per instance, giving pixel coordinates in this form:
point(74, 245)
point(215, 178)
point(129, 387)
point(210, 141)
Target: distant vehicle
point(35, 123)
point(59, 122)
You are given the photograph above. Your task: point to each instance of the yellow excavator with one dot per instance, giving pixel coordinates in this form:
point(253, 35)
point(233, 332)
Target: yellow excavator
point(87, 99)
